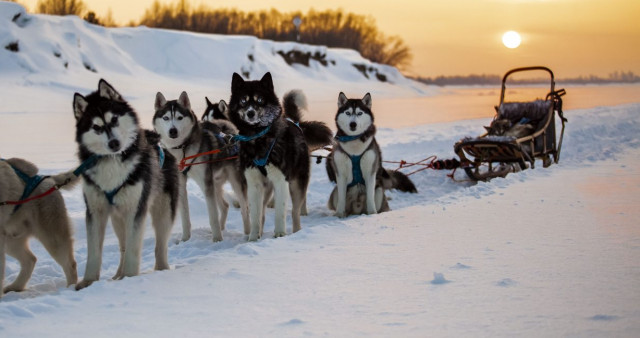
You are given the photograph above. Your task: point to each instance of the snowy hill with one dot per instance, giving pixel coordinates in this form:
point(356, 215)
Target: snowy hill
point(542, 253)
point(39, 47)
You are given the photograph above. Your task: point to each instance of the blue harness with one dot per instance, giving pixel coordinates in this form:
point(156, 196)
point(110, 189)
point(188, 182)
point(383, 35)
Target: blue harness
point(356, 170)
point(30, 183)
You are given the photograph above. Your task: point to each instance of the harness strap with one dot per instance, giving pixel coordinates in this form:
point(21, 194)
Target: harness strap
point(30, 184)
point(243, 138)
point(356, 171)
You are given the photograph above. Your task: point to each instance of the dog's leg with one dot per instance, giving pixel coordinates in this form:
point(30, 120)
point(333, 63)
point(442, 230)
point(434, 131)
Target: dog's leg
point(212, 208)
point(281, 194)
point(59, 244)
point(119, 224)
point(161, 221)
point(223, 206)
point(344, 175)
point(133, 243)
point(240, 189)
point(369, 171)
point(298, 192)
point(19, 249)
point(381, 200)
point(96, 220)
point(255, 194)
point(184, 208)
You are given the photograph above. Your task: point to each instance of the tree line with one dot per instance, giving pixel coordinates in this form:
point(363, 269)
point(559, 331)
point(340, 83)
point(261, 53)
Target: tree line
point(331, 28)
point(491, 79)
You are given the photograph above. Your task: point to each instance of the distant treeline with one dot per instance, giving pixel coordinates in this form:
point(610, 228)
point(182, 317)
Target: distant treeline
point(490, 79)
point(331, 28)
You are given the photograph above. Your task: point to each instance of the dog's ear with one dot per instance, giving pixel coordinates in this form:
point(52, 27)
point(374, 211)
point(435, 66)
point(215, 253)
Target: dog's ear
point(236, 82)
point(107, 91)
point(222, 106)
point(342, 99)
point(488, 129)
point(183, 100)
point(209, 104)
point(160, 101)
point(367, 100)
point(267, 81)
point(79, 105)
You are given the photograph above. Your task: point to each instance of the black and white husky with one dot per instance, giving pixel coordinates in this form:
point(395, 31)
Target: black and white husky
point(185, 136)
point(274, 148)
point(355, 163)
point(216, 111)
point(128, 175)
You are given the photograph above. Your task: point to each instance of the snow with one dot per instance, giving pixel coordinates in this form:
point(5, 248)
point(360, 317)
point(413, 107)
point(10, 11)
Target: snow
point(543, 252)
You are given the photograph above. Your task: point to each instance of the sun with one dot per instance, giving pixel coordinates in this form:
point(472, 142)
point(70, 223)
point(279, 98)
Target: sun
point(511, 39)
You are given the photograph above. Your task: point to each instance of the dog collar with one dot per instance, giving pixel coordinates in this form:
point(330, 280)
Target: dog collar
point(348, 138)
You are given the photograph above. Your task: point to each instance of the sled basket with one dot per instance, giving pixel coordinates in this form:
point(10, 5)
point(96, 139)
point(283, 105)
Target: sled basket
point(489, 156)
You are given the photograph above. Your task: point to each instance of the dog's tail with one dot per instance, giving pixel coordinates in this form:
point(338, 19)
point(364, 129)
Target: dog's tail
point(316, 134)
point(67, 180)
point(392, 179)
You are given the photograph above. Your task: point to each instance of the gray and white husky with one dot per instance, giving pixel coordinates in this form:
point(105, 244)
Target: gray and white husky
point(355, 163)
point(185, 136)
point(45, 219)
point(274, 149)
point(216, 111)
point(128, 175)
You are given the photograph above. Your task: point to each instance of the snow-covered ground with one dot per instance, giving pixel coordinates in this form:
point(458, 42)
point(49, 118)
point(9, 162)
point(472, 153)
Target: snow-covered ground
point(544, 252)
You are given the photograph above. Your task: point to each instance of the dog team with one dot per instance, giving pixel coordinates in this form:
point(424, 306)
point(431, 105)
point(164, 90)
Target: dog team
point(258, 145)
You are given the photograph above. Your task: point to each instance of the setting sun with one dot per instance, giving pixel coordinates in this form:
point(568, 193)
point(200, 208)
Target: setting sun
point(511, 39)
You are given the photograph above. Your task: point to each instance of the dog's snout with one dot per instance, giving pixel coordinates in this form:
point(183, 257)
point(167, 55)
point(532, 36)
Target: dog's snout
point(173, 132)
point(353, 125)
point(114, 145)
point(251, 114)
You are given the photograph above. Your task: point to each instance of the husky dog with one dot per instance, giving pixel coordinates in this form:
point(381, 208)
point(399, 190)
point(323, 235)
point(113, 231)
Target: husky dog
point(44, 218)
point(215, 111)
point(355, 163)
point(273, 149)
point(130, 174)
point(185, 136)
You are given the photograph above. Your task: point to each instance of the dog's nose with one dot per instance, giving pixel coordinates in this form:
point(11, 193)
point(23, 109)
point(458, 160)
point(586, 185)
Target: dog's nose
point(353, 125)
point(114, 145)
point(173, 132)
point(251, 114)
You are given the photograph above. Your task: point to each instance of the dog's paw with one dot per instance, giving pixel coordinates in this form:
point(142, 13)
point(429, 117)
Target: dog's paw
point(279, 234)
point(83, 284)
point(217, 238)
point(253, 237)
point(340, 214)
point(185, 237)
point(11, 288)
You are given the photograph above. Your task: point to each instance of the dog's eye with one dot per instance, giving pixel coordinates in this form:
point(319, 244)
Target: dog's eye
point(348, 113)
point(97, 128)
point(114, 120)
point(359, 113)
point(180, 118)
point(243, 101)
point(166, 118)
point(260, 100)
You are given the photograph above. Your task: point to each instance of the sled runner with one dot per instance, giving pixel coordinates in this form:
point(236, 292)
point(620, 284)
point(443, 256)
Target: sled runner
point(521, 132)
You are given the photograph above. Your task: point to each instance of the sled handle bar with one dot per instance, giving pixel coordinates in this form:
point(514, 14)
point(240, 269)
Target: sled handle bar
point(524, 69)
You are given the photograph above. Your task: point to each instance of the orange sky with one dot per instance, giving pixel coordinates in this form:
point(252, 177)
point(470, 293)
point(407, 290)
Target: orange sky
point(450, 37)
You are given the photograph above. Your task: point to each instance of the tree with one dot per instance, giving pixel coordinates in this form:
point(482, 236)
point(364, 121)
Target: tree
point(61, 7)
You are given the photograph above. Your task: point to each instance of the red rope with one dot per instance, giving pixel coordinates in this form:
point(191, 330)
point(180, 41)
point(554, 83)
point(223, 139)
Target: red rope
point(48, 192)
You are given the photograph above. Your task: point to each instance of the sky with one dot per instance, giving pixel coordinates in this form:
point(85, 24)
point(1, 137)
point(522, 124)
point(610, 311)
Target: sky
point(457, 37)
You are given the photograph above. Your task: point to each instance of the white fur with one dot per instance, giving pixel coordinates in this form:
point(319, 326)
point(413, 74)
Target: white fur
point(363, 121)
